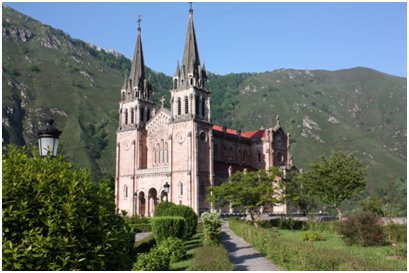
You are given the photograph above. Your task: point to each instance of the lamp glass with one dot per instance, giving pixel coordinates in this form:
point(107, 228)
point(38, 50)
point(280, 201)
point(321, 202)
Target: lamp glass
point(48, 145)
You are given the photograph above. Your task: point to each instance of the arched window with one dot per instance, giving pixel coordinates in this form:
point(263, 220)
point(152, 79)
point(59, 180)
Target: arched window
point(175, 83)
point(162, 152)
point(154, 156)
point(191, 81)
point(125, 192)
point(203, 107)
point(258, 156)
point(126, 116)
point(166, 153)
point(123, 96)
point(132, 115)
point(186, 105)
point(179, 106)
point(148, 113)
point(180, 188)
point(157, 153)
point(197, 105)
point(142, 112)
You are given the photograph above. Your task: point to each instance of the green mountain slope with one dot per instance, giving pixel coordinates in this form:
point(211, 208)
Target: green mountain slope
point(47, 74)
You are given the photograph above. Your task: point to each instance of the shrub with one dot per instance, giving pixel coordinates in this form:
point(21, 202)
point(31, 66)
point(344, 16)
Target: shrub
point(211, 258)
point(56, 218)
point(155, 260)
point(399, 251)
point(362, 228)
point(311, 236)
point(170, 209)
point(212, 227)
point(395, 232)
point(296, 255)
point(168, 226)
point(283, 223)
point(331, 226)
point(173, 248)
point(138, 224)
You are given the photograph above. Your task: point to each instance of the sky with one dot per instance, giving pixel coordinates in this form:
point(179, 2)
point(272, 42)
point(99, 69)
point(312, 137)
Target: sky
point(242, 37)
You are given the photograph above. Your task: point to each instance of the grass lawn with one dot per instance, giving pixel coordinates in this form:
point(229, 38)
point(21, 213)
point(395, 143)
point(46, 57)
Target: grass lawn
point(378, 253)
point(191, 247)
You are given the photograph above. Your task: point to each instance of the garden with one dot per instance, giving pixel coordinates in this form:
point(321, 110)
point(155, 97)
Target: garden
point(359, 243)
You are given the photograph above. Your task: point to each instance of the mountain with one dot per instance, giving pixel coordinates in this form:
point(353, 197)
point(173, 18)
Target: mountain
point(48, 74)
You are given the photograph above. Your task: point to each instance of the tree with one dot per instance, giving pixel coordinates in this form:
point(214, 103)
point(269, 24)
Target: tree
point(336, 178)
point(297, 193)
point(56, 218)
point(249, 191)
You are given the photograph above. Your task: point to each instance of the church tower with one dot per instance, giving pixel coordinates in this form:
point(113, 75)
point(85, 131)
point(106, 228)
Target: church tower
point(135, 110)
point(192, 164)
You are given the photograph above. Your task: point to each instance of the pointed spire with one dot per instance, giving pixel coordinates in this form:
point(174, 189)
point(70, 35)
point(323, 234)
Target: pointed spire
point(177, 73)
point(137, 74)
point(191, 59)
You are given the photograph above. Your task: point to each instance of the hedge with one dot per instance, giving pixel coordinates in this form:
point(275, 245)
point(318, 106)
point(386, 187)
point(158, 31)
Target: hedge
point(211, 258)
point(164, 227)
point(298, 255)
point(395, 232)
point(283, 223)
point(171, 209)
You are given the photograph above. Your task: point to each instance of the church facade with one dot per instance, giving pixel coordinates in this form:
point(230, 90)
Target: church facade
point(181, 146)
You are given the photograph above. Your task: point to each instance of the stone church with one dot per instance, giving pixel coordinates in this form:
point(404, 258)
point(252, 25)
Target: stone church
point(181, 146)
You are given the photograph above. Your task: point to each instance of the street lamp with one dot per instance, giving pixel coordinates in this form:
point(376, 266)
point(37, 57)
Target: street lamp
point(48, 139)
point(166, 187)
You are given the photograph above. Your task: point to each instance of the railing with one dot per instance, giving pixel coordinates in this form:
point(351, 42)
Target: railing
point(153, 170)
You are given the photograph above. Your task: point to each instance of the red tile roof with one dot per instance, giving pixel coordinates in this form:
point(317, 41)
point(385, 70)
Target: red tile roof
point(257, 134)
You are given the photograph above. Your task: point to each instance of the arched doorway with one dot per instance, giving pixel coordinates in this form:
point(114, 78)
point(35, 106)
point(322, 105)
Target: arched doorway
point(152, 201)
point(142, 204)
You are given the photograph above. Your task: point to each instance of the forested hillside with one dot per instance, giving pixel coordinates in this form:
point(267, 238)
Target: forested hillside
point(47, 74)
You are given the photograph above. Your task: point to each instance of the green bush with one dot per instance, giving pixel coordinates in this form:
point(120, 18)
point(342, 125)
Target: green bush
point(283, 223)
point(331, 226)
point(296, 255)
point(399, 250)
point(311, 236)
point(395, 232)
point(211, 258)
point(56, 218)
point(138, 224)
point(171, 209)
point(212, 227)
point(362, 228)
point(174, 248)
point(164, 227)
point(155, 260)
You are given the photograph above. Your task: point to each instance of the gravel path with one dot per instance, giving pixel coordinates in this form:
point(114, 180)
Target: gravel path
point(242, 255)
point(141, 235)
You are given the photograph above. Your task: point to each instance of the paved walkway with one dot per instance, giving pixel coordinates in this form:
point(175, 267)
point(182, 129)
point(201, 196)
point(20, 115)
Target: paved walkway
point(141, 235)
point(242, 255)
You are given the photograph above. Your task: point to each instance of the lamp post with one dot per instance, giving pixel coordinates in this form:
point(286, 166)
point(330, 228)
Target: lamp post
point(48, 139)
point(166, 187)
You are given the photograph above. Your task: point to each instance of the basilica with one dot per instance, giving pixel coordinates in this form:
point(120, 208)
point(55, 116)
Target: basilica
point(181, 147)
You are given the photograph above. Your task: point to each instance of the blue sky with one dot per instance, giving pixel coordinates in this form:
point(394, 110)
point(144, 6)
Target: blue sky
point(242, 37)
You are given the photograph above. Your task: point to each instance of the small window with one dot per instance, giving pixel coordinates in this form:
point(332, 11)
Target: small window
point(142, 114)
point(203, 107)
point(132, 116)
point(123, 96)
point(126, 116)
point(148, 113)
point(154, 156)
point(166, 153)
point(125, 192)
point(186, 105)
point(258, 156)
point(175, 83)
point(179, 106)
point(197, 103)
point(180, 188)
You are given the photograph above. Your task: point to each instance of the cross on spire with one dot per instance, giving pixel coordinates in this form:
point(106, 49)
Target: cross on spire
point(139, 22)
point(191, 9)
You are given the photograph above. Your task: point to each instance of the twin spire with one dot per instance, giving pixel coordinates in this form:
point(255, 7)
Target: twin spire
point(190, 73)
